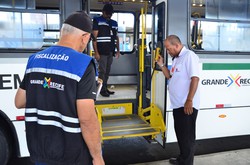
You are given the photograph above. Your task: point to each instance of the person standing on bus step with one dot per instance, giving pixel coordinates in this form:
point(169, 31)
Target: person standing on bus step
point(184, 96)
point(105, 40)
point(58, 91)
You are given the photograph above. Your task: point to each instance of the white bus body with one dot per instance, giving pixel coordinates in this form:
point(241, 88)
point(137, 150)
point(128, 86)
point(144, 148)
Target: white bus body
point(224, 81)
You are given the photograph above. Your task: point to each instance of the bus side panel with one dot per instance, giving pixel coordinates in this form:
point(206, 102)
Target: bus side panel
point(21, 135)
point(223, 122)
point(225, 85)
point(11, 74)
point(170, 133)
point(215, 123)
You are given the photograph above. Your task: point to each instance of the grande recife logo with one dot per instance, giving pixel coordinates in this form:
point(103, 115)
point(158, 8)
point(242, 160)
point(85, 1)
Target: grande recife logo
point(231, 80)
point(234, 80)
point(48, 83)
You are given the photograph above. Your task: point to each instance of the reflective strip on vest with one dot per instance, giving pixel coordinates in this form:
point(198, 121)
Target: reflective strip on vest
point(103, 39)
point(43, 113)
point(54, 71)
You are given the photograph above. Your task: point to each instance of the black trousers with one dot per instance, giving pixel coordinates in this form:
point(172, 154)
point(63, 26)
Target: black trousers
point(185, 126)
point(105, 63)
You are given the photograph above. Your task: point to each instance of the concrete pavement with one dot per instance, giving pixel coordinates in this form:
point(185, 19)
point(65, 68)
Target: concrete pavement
point(236, 157)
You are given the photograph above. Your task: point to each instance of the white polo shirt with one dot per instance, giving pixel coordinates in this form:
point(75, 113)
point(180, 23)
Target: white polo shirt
point(184, 67)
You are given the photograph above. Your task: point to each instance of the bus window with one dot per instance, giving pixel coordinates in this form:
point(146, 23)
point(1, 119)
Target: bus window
point(22, 30)
point(125, 29)
point(148, 29)
point(126, 22)
point(159, 26)
point(220, 25)
point(9, 36)
point(51, 29)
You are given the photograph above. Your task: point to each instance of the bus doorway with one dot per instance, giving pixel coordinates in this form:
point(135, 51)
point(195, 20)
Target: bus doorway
point(130, 115)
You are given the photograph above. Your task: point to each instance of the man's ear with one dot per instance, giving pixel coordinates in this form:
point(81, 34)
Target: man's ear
point(177, 46)
point(85, 38)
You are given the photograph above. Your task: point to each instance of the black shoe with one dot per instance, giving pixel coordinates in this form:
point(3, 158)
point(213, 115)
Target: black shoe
point(110, 92)
point(173, 161)
point(104, 93)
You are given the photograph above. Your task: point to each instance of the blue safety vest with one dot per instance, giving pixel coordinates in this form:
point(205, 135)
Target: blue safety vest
point(52, 125)
point(107, 33)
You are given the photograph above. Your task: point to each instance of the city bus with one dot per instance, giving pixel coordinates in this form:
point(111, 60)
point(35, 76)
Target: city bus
point(217, 31)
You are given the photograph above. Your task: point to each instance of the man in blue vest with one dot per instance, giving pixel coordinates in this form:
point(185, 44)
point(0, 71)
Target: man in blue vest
point(58, 93)
point(104, 43)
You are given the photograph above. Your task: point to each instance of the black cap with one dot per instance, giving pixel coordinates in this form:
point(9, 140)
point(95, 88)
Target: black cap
point(108, 8)
point(80, 20)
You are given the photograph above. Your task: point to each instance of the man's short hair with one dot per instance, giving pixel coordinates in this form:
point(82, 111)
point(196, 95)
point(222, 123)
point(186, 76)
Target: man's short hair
point(108, 9)
point(173, 39)
point(80, 20)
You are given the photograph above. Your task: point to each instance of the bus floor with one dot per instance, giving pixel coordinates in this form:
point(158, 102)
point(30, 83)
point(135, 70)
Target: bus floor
point(128, 151)
point(122, 92)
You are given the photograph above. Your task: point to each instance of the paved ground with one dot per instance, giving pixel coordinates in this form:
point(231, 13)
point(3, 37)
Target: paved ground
point(138, 150)
point(236, 157)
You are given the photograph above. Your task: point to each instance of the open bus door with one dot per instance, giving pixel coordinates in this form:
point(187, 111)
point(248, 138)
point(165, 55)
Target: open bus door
point(158, 82)
point(124, 118)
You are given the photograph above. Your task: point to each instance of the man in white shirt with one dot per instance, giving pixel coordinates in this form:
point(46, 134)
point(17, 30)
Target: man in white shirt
point(184, 96)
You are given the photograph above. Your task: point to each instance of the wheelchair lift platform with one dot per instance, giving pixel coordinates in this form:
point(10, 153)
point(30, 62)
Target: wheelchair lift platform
point(119, 121)
point(132, 125)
